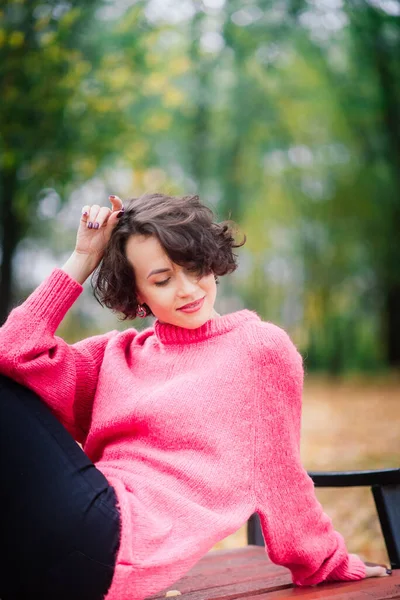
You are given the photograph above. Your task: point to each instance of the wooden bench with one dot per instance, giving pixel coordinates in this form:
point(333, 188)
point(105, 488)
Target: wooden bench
point(248, 574)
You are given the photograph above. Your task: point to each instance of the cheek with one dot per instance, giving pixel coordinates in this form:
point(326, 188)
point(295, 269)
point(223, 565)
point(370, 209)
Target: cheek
point(163, 295)
point(209, 284)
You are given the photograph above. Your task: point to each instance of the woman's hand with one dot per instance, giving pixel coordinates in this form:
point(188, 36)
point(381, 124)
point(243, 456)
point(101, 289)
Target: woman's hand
point(95, 228)
point(373, 570)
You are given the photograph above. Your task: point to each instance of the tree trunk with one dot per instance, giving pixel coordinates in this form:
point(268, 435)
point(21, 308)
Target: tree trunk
point(391, 115)
point(9, 238)
point(392, 324)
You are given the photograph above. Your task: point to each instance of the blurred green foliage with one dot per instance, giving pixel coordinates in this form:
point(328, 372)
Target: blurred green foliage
point(282, 115)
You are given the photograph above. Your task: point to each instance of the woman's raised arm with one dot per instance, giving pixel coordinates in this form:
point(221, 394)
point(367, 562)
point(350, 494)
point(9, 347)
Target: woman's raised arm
point(63, 375)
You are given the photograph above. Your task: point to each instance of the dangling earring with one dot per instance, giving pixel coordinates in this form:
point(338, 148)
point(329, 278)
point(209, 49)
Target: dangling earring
point(216, 279)
point(141, 312)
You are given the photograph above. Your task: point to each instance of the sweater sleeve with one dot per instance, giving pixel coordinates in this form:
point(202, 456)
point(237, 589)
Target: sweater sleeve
point(297, 532)
point(63, 375)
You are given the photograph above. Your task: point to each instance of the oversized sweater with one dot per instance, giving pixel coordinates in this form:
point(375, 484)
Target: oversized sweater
point(196, 429)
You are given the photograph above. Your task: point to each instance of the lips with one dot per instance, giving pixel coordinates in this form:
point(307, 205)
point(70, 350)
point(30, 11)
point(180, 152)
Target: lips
point(192, 304)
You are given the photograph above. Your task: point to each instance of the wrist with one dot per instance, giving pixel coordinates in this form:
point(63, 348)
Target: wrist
point(80, 266)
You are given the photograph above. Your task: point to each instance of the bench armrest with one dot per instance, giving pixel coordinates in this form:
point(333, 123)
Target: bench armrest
point(355, 478)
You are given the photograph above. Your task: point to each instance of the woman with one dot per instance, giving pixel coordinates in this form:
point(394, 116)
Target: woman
point(187, 427)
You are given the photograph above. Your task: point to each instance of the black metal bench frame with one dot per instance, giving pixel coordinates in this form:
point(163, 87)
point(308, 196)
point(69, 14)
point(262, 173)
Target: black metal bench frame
point(385, 487)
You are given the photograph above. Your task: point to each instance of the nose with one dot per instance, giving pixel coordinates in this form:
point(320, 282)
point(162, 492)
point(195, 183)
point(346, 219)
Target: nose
point(186, 286)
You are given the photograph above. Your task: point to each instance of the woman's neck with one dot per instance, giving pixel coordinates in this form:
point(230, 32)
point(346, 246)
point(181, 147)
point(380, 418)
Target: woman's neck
point(214, 315)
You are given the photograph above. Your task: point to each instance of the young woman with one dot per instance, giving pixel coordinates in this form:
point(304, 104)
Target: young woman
point(187, 427)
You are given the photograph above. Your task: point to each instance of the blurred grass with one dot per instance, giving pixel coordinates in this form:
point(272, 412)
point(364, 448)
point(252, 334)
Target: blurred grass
point(348, 424)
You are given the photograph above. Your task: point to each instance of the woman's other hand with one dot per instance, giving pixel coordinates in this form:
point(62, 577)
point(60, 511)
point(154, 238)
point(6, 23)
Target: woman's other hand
point(373, 570)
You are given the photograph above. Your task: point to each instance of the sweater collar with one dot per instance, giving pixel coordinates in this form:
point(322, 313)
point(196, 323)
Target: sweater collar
point(173, 334)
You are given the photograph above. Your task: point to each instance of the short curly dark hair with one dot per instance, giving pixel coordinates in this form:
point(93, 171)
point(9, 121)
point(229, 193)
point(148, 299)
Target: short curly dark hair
point(185, 229)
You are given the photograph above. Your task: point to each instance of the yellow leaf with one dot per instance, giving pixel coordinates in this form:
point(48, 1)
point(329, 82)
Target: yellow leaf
point(70, 17)
point(129, 23)
point(154, 178)
point(16, 39)
point(47, 38)
point(87, 166)
point(179, 65)
point(158, 122)
point(152, 59)
point(156, 83)
point(9, 159)
point(103, 105)
point(42, 22)
point(119, 77)
point(173, 98)
point(137, 152)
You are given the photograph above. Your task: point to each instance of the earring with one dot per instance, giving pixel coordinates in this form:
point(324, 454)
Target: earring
point(141, 312)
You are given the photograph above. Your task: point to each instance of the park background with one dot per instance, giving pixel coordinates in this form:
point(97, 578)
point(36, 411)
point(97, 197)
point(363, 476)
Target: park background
point(284, 116)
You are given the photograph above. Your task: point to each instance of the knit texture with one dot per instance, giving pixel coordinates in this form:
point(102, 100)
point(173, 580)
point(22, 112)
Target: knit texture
point(196, 429)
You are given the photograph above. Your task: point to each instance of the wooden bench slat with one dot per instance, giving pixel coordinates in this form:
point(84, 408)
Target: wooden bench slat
point(374, 588)
point(247, 573)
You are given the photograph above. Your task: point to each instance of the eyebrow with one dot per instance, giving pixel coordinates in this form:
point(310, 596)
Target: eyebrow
point(157, 271)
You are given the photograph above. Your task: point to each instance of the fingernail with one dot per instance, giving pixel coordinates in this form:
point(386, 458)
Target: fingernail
point(389, 571)
point(112, 196)
point(85, 214)
point(121, 212)
point(90, 225)
point(96, 226)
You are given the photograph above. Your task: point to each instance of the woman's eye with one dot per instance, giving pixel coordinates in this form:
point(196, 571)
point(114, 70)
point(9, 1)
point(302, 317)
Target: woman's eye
point(163, 282)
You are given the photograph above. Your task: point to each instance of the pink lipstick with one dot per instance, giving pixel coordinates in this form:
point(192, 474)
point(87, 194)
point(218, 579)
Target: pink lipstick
point(193, 307)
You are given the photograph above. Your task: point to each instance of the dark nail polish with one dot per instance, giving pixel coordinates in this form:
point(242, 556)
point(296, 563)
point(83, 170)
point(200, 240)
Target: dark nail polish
point(96, 226)
point(121, 212)
point(90, 225)
point(389, 571)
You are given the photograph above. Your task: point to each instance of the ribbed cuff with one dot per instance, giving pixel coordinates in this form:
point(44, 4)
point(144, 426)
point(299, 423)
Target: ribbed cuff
point(349, 570)
point(51, 300)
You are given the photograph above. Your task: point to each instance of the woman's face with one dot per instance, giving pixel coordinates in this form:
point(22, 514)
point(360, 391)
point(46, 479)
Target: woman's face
point(165, 293)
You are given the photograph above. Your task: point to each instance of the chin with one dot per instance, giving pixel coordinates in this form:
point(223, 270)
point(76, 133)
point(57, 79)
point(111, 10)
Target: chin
point(195, 320)
point(195, 325)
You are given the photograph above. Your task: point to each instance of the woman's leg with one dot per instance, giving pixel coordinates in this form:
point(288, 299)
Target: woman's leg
point(59, 529)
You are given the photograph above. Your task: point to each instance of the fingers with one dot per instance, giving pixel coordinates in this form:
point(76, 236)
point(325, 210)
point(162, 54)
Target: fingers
point(102, 217)
point(376, 571)
point(95, 216)
point(94, 211)
point(116, 202)
point(85, 213)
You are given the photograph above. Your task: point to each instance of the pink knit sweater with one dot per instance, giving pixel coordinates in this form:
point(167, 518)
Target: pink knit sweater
point(196, 429)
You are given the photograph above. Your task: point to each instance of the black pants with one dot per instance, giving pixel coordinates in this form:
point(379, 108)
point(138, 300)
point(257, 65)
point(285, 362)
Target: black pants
point(59, 532)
